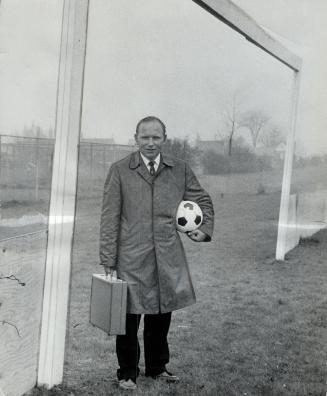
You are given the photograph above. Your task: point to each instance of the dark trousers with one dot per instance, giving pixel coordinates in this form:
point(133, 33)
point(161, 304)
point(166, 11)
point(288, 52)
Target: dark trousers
point(156, 350)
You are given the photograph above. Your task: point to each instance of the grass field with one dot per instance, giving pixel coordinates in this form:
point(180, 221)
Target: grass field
point(258, 328)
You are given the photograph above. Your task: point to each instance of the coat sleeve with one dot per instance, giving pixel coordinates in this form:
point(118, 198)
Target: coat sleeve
point(194, 192)
point(110, 219)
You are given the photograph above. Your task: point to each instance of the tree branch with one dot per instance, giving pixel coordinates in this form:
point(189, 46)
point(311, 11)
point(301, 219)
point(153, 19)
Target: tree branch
point(14, 278)
point(3, 322)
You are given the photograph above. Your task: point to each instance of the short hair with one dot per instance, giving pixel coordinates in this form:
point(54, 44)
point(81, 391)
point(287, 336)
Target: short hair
point(150, 119)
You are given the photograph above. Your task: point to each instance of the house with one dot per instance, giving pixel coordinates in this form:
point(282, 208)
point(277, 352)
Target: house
point(218, 146)
point(280, 150)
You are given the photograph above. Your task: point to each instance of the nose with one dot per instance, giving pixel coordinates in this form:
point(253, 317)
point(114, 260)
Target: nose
point(150, 142)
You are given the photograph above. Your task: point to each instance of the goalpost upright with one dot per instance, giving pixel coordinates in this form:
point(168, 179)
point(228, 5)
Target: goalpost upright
point(237, 19)
point(63, 192)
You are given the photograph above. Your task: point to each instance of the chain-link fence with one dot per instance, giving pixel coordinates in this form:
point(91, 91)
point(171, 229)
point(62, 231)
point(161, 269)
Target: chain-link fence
point(95, 160)
point(26, 166)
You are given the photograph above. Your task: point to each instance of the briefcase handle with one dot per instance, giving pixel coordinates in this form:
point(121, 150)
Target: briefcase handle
point(112, 277)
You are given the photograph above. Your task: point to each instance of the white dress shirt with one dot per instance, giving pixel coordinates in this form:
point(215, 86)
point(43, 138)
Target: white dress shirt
point(156, 162)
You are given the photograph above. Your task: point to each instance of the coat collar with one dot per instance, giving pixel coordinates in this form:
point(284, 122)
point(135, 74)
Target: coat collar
point(136, 161)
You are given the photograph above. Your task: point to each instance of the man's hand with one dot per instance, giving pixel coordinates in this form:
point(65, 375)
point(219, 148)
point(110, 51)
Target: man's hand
point(197, 235)
point(108, 270)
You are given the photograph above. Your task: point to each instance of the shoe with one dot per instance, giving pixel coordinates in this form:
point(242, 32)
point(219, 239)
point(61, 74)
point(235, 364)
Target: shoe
point(127, 384)
point(166, 376)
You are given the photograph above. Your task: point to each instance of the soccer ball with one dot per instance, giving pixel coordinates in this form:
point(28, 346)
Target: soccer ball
point(188, 217)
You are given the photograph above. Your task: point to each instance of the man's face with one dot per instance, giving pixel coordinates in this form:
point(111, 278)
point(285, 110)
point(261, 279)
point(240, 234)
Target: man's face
point(150, 138)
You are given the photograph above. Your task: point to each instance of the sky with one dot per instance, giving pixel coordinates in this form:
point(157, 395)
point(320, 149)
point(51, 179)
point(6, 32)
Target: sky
point(176, 61)
point(167, 58)
point(301, 26)
point(29, 57)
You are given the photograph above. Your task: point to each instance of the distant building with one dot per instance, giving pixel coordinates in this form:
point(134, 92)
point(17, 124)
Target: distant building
point(261, 150)
point(280, 150)
point(274, 152)
point(218, 146)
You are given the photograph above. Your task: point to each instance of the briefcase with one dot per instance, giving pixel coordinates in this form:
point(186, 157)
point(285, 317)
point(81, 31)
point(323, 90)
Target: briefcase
point(108, 304)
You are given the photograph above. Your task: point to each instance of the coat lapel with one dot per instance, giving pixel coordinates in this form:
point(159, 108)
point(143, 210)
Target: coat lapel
point(143, 171)
point(136, 163)
point(160, 167)
point(164, 162)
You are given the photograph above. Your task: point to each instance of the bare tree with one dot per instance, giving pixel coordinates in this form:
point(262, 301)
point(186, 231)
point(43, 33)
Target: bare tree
point(231, 116)
point(272, 137)
point(181, 148)
point(34, 130)
point(240, 142)
point(254, 121)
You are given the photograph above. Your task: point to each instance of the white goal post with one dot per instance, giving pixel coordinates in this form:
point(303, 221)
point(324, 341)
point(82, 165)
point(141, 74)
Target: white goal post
point(237, 19)
point(63, 190)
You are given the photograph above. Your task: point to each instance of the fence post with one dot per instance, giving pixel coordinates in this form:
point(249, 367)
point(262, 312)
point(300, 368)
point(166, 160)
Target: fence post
point(0, 162)
point(37, 163)
point(1, 181)
point(14, 172)
point(91, 163)
point(104, 162)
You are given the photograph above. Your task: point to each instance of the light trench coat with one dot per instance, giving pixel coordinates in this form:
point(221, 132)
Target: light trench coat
point(138, 235)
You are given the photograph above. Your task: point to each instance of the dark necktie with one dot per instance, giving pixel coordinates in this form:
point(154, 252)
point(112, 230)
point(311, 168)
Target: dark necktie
point(152, 170)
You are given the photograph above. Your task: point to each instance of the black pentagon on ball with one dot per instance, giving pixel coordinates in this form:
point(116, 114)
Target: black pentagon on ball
point(188, 205)
point(197, 220)
point(182, 221)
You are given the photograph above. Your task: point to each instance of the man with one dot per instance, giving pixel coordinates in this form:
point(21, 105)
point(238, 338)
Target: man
point(138, 238)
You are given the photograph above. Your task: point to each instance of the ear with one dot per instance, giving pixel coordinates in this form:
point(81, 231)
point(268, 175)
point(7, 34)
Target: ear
point(135, 137)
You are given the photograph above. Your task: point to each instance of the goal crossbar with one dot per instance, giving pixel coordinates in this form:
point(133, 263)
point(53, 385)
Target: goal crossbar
point(233, 16)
